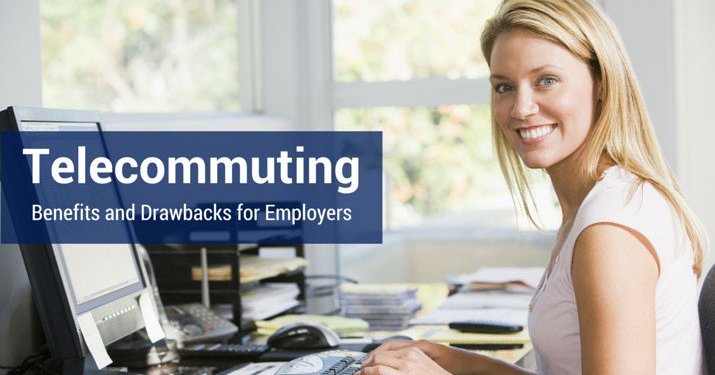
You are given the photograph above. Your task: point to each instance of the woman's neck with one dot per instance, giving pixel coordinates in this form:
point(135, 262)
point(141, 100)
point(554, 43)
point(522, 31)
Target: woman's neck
point(570, 189)
point(570, 185)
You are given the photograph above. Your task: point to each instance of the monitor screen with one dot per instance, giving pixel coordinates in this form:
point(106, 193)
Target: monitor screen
point(97, 273)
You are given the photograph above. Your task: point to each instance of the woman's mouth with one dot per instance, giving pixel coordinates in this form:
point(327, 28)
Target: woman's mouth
point(535, 133)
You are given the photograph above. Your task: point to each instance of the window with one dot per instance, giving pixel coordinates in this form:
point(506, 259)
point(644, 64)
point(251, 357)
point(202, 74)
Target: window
point(436, 159)
point(414, 69)
point(408, 39)
point(141, 56)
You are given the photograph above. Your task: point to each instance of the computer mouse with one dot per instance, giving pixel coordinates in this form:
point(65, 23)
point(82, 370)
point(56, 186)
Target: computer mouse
point(304, 336)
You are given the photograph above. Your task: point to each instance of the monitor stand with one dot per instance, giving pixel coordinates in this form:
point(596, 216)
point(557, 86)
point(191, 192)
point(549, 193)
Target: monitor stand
point(141, 353)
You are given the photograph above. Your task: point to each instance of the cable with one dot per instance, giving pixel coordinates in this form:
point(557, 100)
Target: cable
point(29, 362)
point(24, 362)
point(45, 369)
point(334, 312)
point(333, 277)
point(327, 290)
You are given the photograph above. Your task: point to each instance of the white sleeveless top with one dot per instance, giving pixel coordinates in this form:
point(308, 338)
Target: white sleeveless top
point(553, 321)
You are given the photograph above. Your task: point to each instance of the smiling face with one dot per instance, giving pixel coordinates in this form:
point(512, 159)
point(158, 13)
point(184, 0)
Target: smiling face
point(543, 97)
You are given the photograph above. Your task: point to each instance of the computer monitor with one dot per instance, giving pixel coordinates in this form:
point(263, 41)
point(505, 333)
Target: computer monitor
point(70, 280)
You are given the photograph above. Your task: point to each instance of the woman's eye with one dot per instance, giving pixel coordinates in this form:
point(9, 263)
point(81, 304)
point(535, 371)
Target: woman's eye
point(547, 81)
point(501, 88)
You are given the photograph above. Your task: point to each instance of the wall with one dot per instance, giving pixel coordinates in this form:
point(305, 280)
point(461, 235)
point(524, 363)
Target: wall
point(695, 77)
point(21, 85)
point(646, 27)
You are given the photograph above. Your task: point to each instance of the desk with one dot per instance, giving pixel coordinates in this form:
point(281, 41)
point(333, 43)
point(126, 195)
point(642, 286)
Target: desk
point(431, 295)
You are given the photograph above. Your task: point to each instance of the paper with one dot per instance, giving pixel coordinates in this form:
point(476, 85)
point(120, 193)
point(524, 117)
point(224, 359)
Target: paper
point(263, 368)
point(151, 320)
point(455, 337)
point(531, 276)
point(484, 300)
point(268, 300)
point(443, 316)
point(93, 340)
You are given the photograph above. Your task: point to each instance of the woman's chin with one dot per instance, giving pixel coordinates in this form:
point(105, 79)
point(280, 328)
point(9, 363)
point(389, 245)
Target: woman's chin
point(537, 163)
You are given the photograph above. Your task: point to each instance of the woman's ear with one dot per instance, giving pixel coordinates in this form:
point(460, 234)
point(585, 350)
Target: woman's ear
point(598, 90)
point(598, 96)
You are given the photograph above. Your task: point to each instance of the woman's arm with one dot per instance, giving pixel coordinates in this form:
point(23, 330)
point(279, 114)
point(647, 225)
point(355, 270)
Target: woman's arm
point(426, 358)
point(615, 270)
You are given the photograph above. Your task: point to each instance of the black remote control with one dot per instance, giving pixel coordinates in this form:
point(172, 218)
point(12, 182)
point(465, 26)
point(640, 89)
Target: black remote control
point(485, 326)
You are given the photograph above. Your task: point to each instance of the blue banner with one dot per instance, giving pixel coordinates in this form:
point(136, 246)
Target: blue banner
point(191, 187)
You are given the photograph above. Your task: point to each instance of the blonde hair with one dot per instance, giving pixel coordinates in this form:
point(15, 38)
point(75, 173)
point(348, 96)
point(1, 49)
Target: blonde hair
point(621, 131)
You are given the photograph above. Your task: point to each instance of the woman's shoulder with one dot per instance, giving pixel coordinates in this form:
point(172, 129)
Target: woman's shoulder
point(621, 193)
point(622, 198)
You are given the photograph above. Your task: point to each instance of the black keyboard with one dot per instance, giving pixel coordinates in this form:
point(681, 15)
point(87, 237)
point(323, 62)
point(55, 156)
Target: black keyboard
point(238, 351)
point(333, 362)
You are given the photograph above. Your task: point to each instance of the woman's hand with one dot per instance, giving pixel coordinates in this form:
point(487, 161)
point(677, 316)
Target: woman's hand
point(397, 357)
point(403, 357)
point(431, 349)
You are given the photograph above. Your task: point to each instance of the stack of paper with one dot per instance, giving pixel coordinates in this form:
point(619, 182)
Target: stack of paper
point(268, 300)
point(385, 308)
point(446, 316)
point(487, 300)
point(254, 268)
point(216, 273)
point(499, 294)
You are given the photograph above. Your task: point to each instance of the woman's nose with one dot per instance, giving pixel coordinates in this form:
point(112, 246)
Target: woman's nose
point(524, 105)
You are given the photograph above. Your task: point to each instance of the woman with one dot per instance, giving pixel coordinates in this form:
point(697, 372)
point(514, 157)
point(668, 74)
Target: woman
point(619, 295)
